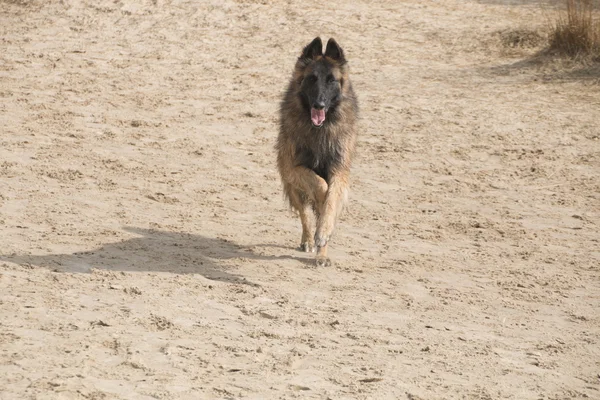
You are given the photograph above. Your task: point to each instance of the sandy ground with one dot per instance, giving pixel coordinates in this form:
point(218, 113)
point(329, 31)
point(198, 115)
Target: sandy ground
point(146, 251)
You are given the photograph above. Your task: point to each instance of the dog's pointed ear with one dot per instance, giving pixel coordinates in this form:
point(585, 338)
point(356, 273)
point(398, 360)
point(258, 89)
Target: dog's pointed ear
point(334, 51)
point(312, 50)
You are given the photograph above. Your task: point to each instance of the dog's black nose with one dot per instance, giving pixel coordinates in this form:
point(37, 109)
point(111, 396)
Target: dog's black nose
point(319, 105)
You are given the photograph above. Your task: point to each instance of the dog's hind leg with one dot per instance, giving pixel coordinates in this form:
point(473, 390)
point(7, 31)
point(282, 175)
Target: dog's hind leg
point(301, 203)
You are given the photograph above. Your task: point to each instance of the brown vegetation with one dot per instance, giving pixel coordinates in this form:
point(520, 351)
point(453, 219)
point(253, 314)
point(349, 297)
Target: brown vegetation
point(576, 33)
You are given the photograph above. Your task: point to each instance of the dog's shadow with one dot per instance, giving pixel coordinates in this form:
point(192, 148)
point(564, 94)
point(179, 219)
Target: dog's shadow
point(158, 251)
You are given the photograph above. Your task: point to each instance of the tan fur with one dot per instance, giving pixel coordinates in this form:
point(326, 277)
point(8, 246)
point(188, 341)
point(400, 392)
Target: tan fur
point(305, 189)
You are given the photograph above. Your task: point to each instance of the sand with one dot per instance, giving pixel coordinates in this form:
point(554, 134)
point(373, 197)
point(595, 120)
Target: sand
point(146, 251)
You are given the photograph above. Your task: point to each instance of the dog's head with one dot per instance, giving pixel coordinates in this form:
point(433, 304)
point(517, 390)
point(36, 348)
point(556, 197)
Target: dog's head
point(321, 78)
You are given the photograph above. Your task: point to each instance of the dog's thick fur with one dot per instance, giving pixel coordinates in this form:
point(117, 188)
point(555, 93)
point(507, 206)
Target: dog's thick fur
point(317, 140)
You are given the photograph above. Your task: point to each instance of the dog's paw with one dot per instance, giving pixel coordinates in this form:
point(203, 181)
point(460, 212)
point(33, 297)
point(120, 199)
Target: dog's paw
point(322, 237)
point(307, 247)
point(321, 240)
point(323, 262)
point(324, 231)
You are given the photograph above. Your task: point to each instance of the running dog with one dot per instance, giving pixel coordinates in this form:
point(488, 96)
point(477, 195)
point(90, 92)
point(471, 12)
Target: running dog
point(317, 140)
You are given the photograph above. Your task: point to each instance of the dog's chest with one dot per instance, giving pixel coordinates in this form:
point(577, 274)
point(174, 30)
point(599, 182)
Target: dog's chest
point(321, 157)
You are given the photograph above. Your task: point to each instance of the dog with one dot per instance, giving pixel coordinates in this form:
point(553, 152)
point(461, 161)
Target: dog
point(317, 141)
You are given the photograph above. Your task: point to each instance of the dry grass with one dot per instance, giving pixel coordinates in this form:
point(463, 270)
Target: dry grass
point(520, 38)
point(576, 33)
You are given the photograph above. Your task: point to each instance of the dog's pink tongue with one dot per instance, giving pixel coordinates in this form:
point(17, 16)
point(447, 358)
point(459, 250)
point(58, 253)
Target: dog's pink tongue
point(317, 116)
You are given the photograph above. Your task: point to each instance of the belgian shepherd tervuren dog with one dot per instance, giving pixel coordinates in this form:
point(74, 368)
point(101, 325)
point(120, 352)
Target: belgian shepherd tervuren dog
point(316, 141)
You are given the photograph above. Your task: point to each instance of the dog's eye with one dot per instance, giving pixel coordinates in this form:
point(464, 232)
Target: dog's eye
point(330, 79)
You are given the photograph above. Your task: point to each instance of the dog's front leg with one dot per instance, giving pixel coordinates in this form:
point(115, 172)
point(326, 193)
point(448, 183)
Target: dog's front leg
point(329, 211)
point(308, 182)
